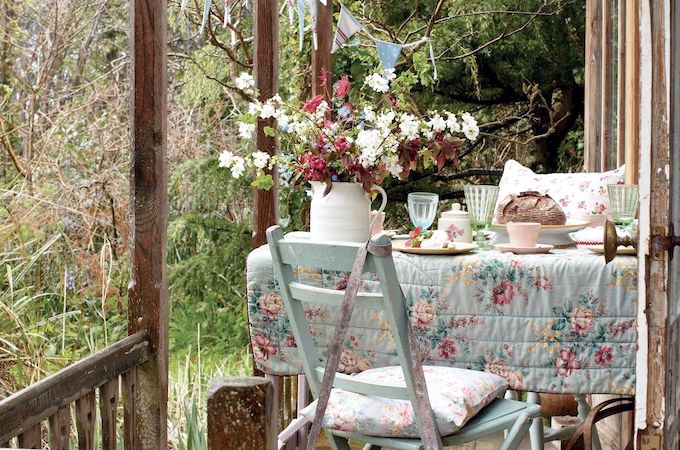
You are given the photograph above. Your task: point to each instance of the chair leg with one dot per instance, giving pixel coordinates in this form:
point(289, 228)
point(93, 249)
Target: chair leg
point(302, 401)
point(517, 432)
point(583, 410)
point(337, 442)
point(536, 431)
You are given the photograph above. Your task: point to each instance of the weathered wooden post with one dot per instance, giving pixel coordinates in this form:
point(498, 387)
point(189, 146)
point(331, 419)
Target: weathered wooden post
point(242, 415)
point(267, 80)
point(146, 417)
point(321, 56)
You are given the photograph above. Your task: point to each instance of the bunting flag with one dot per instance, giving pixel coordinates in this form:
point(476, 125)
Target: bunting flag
point(388, 53)
point(314, 12)
point(206, 12)
point(347, 27)
point(291, 11)
point(301, 22)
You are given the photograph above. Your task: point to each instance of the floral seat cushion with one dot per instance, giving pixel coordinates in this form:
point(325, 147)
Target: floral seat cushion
point(456, 395)
point(579, 194)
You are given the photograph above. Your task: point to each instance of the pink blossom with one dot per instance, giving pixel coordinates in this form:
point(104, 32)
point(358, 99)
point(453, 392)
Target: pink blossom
point(263, 348)
point(503, 293)
point(604, 356)
point(351, 363)
point(566, 363)
point(423, 313)
point(447, 349)
point(312, 104)
point(271, 305)
point(290, 341)
point(342, 89)
point(581, 320)
point(497, 367)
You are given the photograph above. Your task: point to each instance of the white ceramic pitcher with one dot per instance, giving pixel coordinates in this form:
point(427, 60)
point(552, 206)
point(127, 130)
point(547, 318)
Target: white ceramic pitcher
point(343, 214)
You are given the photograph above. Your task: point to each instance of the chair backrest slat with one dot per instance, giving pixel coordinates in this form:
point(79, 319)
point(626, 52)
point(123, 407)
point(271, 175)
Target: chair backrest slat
point(339, 256)
point(329, 297)
point(352, 384)
point(330, 255)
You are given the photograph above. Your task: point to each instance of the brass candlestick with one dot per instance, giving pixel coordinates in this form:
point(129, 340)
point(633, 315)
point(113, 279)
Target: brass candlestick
point(612, 241)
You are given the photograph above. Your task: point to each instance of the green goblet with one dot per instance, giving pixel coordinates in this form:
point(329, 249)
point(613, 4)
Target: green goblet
point(481, 202)
point(623, 204)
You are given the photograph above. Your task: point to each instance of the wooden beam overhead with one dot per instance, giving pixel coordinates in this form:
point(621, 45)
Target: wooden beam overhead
point(148, 291)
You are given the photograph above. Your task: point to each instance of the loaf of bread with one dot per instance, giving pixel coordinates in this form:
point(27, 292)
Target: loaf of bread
point(530, 206)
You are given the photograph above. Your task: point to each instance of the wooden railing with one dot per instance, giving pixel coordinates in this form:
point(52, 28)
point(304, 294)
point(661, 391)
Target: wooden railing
point(22, 414)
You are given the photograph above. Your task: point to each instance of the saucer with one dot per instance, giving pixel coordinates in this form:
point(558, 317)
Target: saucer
point(516, 249)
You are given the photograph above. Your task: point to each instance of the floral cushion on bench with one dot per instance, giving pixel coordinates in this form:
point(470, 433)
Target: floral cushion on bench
point(456, 395)
point(579, 194)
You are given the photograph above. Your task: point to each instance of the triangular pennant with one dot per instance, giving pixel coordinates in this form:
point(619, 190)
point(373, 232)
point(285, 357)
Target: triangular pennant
point(388, 53)
point(301, 22)
point(206, 12)
point(291, 11)
point(347, 27)
point(314, 11)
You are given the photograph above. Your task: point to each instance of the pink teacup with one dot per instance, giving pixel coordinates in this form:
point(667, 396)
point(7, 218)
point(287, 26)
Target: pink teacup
point(524, 234)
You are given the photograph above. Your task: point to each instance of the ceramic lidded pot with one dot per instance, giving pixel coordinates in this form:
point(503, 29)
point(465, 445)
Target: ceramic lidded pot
point(456, 223)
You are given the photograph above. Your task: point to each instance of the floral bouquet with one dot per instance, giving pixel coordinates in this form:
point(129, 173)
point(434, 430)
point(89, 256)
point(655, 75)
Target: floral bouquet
point(364, 136)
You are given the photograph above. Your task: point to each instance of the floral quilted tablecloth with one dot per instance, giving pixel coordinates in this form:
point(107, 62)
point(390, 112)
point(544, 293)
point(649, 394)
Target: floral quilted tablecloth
point(559, 322)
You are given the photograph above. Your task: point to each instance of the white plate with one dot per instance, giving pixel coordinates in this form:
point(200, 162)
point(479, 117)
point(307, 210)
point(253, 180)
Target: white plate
point(461, 247)
point(620, 250)
point(550, 234)
point(540, 248)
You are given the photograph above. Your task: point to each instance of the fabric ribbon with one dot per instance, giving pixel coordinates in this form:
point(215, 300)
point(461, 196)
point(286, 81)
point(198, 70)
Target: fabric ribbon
point(428, 427)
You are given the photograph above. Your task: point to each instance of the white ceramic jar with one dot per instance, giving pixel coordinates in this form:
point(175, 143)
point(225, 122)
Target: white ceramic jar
point(344, 213)
point(456, 223)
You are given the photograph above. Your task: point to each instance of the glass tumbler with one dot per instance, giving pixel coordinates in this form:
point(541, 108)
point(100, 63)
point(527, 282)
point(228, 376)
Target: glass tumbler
point(422, 208)
point(624, 200)
point(481, 202)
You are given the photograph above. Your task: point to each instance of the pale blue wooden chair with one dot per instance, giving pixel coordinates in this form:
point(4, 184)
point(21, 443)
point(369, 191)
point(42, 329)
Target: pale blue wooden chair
point(513, 417)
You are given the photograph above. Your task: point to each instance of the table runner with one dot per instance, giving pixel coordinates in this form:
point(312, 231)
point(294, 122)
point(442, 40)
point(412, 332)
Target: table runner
point(561, 322)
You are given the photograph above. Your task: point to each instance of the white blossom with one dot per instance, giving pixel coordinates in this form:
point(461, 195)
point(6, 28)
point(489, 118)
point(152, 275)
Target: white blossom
point(452, 123)
point(369, 114)
point(246, 130)
point(245, 82)
point(260, 159)
point(378, 82)
point(384, 121)
point(392, 164)
point(369, 142)
point(254, 108)
point(238, 166)
point(437, 123)
point(226, 158)
point(268, 110)
point(470, 128)
point(408, 126)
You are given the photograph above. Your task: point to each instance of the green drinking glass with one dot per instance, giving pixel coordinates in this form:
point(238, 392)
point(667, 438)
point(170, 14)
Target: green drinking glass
point(481, 202)
point(624, 200)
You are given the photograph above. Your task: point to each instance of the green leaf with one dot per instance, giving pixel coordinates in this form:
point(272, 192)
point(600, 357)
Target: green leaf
point(263, 181)
point(269, 131)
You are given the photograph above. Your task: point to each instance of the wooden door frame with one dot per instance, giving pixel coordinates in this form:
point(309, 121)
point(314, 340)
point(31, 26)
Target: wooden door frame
point(655, 104)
